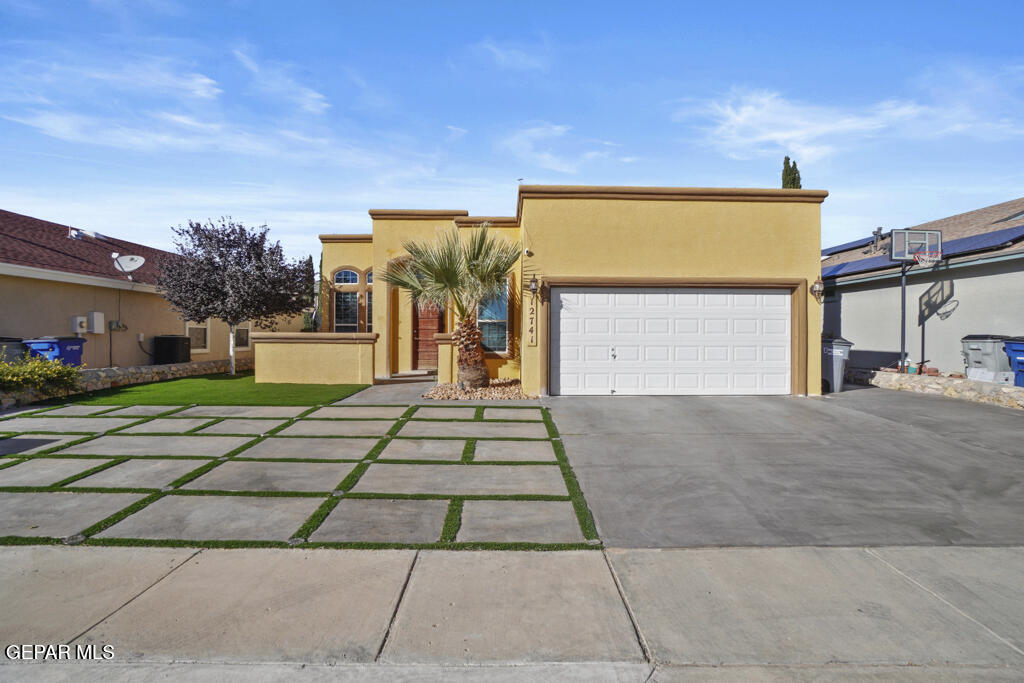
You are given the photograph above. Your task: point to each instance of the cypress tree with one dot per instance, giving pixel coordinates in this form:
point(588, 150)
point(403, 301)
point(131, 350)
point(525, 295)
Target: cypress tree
point(795, 179)
point(786, 173)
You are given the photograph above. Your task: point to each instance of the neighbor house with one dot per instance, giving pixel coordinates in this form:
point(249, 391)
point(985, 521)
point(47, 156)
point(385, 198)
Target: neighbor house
point(619, 290)
point(976, 288)
point(54, 277)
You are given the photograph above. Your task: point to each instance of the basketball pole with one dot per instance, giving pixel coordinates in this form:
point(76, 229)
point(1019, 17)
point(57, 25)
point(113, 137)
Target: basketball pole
point(903, 317)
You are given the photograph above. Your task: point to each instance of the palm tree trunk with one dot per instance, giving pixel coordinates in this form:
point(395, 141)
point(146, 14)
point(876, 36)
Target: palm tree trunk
point(470, 358)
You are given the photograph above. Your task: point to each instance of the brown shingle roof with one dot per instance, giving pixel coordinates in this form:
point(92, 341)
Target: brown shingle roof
point(977, 222)
point(27, 241)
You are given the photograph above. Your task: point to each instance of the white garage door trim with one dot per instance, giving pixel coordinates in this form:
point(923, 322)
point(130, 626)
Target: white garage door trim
point(670, 340)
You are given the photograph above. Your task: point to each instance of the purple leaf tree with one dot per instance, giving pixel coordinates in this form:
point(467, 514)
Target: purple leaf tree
point(227, 271)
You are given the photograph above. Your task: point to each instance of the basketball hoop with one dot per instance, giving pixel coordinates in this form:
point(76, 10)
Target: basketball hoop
point(927, 259)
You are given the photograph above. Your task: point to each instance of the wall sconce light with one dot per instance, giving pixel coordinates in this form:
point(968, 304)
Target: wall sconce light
point(534, 285)
point(818, 290)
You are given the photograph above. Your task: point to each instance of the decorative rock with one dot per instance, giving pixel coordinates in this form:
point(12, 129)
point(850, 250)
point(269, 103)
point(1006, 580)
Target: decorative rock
point(954, 385)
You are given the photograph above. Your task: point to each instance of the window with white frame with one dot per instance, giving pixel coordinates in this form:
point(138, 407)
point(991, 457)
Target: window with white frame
point(492, 318)
point(242, 336)
point(199, 335)
point(346, 277)
point(369, 311)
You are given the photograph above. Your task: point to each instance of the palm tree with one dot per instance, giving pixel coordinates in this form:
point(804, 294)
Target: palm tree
point(460, 273)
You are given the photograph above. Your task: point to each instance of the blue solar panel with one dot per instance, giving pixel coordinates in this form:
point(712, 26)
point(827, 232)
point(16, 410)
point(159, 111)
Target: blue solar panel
point(828, 251)
point(966, 245)
point(872, 263)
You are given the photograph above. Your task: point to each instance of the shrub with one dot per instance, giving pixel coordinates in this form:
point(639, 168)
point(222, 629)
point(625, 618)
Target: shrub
point(35, 372)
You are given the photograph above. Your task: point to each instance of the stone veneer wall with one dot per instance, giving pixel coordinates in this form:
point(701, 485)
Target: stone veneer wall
point(1005, 395)
point(94, 379)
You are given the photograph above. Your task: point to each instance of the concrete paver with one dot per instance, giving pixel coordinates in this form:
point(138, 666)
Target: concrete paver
point(33, 443)
point(204, 446)
point(483, 430)
point(834, 673)
point(424, 449)
point(50, 594)
point(298, 447)
point(985, 583)
point(379, 520)
point(273, 476)
point(338, 428)
point(142, 411)
point(87, 425)
point(75, 411)
point(143, 473)
point(513, 451)
point(512, 414)
point(463, 479)
point(435, 413)
point(57, 514)
point(360, 412)
point(463, 607)
point(215, 518)
point(166, 425)
point(241, 426)
point(794, 606)
point(264, 605)
point(533, 521)
point(45, 471)
point(243, 411)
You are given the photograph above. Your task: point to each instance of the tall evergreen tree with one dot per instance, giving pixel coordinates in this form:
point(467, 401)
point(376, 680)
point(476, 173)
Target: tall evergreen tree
point(790, 175)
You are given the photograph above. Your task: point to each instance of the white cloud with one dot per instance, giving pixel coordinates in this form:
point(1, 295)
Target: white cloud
point(750, 123)
point(274, 80)
point(455, 133)
point(41, 81)
point(515, 58)
point(532, 146)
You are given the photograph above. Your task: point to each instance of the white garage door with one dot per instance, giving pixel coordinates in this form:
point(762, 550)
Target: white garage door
point(623, 340)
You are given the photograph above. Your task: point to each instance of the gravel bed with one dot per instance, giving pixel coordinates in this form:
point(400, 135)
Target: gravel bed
point(499, 389)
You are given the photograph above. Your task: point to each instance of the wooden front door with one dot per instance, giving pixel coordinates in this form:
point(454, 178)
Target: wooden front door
point(425, 325)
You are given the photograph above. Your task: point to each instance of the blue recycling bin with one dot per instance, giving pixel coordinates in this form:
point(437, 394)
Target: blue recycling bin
point(68, 350)
point(1015, 352)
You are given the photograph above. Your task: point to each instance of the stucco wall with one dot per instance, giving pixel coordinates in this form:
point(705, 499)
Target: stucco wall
point(647, 238)
point(981, 299)
point(32, 307)
point(314, 358)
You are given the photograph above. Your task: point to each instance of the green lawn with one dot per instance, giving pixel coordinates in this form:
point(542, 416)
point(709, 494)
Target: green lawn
point(220, 390)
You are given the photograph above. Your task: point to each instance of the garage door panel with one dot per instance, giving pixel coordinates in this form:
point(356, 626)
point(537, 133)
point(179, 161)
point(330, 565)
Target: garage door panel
point(670, 341)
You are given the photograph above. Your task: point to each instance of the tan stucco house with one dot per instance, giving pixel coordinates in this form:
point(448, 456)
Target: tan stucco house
point(53, 275)
point(619, 290)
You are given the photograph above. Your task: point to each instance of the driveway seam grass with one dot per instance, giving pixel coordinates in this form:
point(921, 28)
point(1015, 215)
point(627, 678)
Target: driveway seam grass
point(452, 521)
point(330, 498)
point(579, 503)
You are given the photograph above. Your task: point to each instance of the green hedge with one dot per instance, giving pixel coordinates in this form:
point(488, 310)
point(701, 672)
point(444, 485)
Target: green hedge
point(34, 372)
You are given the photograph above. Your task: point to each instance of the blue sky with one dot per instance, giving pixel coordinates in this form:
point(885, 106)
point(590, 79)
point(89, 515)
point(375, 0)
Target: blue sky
point(130, 117)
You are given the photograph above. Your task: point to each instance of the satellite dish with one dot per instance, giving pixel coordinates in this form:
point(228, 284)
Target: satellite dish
point(127, 263)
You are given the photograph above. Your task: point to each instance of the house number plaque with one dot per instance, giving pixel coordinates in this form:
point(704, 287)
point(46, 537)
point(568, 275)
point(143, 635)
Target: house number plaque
point(531, 323)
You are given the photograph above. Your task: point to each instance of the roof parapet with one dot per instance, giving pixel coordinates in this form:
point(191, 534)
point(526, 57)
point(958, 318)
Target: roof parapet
point(359, 237)
point(415, 214)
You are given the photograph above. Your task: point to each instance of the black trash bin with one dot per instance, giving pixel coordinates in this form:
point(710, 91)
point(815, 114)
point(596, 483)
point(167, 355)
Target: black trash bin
point(835, 351)
point(171, 348)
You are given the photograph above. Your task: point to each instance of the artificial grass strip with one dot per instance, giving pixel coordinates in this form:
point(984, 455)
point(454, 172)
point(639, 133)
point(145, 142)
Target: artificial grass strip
point(473, 463)
point(89, 472)
point(210, 423)
point(449, 496)
point(194, 474)
point(469, 450)
point(579, 503)
point(353, 477)
point(121, 514)
point(180, 543)
point(72, 489)
point(30, 540)
point(317, 518)
point(452, 521)
point(140, 421)
point(248, 494)
point(479, 414)
point(11, 463)
point(221, 390)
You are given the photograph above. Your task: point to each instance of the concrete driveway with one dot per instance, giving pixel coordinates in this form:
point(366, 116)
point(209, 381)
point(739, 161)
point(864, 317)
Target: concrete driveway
point(863, 467)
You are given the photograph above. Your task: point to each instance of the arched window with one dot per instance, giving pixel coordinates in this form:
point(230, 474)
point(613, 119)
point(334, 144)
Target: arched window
point(369, 278)
point(346, 277)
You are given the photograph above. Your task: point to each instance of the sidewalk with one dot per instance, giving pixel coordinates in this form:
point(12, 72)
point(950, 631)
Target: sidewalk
point(711, 614)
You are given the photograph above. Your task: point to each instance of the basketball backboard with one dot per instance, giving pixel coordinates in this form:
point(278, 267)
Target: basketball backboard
point(908, 245)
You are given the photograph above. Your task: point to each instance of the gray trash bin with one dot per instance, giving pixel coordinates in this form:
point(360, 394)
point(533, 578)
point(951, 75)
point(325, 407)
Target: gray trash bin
point(835, 351)
point(986, 359)
point(11, 348)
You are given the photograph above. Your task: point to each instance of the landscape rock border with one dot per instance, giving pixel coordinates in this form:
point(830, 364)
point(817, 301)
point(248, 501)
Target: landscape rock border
point(1005, 395)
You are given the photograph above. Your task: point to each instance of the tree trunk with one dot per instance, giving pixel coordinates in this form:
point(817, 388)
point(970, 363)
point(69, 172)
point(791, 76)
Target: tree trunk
point(470, 358)
point(231, 347)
